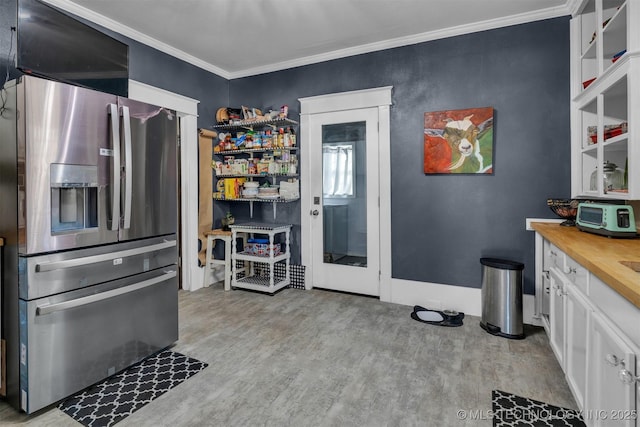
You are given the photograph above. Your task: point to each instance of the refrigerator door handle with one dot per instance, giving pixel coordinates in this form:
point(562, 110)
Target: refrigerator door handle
point(126, 126)
point(93, 259)
point(115, 144)
point(89, 299)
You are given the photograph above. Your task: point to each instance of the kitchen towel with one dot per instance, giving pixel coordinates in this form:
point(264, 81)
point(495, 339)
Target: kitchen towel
point(120, 395)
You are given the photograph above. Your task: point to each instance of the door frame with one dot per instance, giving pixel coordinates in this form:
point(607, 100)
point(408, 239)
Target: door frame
point(187, 110)
point(353, 100)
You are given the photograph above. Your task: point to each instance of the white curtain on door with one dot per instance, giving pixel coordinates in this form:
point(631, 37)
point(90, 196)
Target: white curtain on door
point(337, 170)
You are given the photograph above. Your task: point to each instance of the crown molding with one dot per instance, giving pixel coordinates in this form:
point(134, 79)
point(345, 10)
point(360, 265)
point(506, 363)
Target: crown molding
point(575, 6)
point(567, 9)
point(409, 40)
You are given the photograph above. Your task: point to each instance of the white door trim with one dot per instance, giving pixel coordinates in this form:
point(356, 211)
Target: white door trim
point(368, 98)
point(187, 109)
point(341, 101)
point(145, 93)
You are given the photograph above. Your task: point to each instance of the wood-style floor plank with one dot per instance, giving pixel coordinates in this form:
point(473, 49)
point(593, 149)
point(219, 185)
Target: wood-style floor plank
point(320, 358)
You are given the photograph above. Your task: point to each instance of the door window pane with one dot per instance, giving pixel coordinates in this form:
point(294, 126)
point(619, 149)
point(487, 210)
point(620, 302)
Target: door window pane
point(344, 193)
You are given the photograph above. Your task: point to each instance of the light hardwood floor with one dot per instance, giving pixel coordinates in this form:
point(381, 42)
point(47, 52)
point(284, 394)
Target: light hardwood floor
point(320, 358)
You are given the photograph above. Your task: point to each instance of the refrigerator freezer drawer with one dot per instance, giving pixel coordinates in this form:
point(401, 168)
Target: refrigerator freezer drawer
point(45, 275)
point(78, 338)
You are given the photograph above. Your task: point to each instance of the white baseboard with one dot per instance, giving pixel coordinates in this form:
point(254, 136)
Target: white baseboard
point(198, 274)
point(430, 295)
point(436, 296)
point(441, 297)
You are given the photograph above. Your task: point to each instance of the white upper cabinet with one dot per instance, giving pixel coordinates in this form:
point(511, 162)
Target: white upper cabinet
point(605, 113)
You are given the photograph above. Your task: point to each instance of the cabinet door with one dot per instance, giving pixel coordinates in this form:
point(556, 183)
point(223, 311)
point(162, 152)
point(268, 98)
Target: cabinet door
point(578, 318)
point(604, 113)
point(611, 401)
point(556, 316)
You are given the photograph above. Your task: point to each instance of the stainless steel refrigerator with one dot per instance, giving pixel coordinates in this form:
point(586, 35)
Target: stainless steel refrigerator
point(88, 183)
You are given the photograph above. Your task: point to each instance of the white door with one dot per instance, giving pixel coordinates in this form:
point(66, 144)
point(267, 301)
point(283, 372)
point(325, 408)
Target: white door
point(344, 190)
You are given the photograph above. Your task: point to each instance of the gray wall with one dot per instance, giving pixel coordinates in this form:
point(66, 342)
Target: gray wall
point(8, 10)
point(442, 225)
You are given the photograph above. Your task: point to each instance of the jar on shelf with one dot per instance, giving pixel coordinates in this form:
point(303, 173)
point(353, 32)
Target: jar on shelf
point(593, 182)
point(612, 177)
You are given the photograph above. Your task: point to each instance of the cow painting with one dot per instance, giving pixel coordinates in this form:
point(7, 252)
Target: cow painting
point(459, 141)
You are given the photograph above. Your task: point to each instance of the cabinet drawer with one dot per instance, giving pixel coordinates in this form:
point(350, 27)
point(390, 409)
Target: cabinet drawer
point(622, 313)
point(577, 274)
point(553, 257)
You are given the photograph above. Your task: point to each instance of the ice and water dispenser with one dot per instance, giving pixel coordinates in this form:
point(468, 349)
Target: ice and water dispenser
point(74, 197)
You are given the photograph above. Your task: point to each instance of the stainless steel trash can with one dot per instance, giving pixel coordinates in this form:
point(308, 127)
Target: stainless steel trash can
point(502, 297)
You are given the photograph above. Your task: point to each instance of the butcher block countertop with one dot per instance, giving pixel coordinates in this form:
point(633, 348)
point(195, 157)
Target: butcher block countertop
point(600, 255)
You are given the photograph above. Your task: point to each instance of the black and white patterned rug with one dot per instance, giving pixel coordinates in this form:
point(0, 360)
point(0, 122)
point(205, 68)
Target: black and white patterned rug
point(120, 395)
point(512, 410)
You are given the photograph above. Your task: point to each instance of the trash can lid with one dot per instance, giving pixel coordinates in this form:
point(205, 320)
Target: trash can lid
point(502, 263)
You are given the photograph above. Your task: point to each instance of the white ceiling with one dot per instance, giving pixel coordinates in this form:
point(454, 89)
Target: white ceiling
point(237, 38)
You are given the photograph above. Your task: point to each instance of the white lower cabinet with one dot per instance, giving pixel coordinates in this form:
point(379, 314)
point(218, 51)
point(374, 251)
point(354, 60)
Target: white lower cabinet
point(577, 320)
point(611, 383)
point(595, 334)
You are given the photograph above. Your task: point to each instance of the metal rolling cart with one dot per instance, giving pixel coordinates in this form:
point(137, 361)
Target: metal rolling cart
point(254, 277)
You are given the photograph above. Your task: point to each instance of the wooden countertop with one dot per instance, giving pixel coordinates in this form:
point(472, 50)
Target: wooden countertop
point(600, 255)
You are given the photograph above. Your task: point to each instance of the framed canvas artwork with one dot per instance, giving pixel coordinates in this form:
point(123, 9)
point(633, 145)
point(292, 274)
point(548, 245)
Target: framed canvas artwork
point(459, 141)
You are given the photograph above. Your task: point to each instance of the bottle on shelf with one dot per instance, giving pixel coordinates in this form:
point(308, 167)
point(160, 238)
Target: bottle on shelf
point(292, 136)
point(286, 139)
point(280, 143)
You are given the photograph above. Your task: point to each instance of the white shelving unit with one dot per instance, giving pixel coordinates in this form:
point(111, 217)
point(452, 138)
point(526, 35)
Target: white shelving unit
point(252, 153)
point(605, 113)
point(253, 279)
